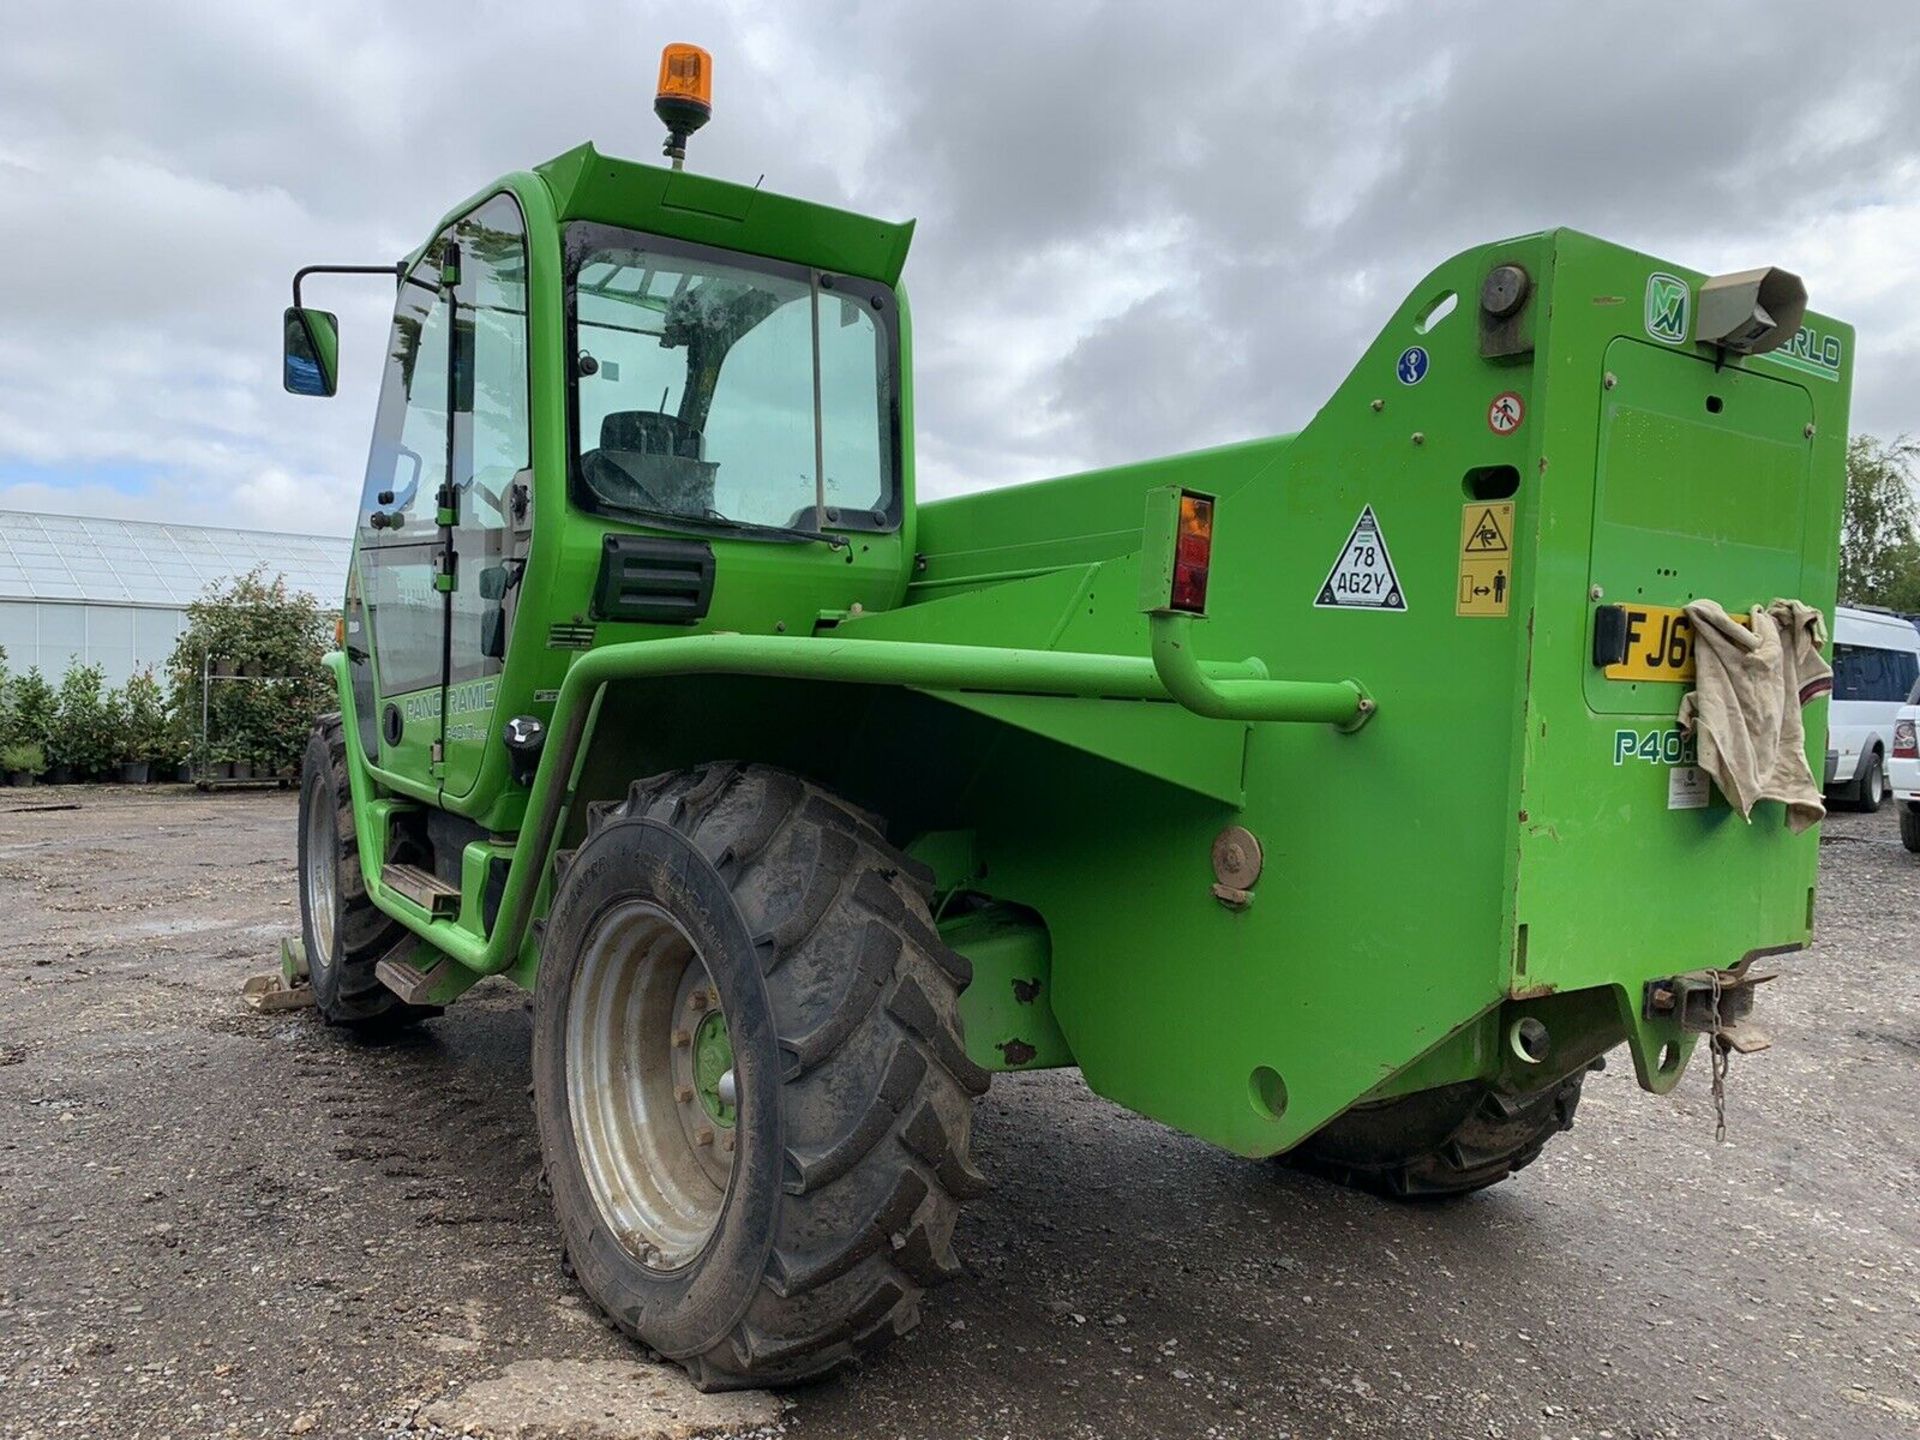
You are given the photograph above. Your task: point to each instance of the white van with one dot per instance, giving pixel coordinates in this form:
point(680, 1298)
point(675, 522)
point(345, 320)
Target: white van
point(1876, 661)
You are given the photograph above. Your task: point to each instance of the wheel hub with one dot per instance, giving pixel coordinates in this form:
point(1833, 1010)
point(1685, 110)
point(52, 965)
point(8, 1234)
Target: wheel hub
point(713, 1068)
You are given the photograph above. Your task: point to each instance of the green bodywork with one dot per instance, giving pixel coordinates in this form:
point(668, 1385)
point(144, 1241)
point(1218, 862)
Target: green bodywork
point(1450, 840)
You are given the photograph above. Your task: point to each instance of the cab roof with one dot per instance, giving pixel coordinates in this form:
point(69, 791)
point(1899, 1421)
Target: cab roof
point(587, 185)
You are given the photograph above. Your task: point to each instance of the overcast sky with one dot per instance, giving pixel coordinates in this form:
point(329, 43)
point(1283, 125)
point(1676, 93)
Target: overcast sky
point(1143, 227)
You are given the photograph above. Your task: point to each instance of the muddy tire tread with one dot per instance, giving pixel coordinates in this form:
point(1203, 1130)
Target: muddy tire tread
point(863, 991)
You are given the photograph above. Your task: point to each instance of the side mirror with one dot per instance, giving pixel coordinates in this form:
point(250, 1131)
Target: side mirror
point(310, 352)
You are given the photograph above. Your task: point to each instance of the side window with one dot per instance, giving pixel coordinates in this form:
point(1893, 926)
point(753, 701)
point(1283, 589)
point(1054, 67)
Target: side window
point(1866, 672)
point(853, 381)
point(409, 453)
point(762, 414)
point(491, 441)
point(1906, 669)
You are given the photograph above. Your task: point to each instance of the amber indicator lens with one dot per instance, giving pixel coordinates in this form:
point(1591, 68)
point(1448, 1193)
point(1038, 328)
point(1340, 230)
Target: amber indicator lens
point(1192, 553)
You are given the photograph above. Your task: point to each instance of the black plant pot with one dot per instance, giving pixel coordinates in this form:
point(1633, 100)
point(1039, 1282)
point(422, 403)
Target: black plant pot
point(135, 772)
point(243, 770)
point(59, 774)
point(23, 778)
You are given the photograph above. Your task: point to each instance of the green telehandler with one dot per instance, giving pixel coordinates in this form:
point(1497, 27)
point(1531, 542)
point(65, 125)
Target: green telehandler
point(1320, 796)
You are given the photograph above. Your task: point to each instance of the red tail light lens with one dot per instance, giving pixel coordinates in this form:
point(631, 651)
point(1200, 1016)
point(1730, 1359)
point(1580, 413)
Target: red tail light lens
point(1903, 741)
point(1192, 554)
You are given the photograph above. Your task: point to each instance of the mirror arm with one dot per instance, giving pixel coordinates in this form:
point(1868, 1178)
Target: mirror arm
point(397, 269)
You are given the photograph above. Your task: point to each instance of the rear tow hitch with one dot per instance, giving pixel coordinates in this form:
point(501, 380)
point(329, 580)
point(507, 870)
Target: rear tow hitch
point(1711, 1002)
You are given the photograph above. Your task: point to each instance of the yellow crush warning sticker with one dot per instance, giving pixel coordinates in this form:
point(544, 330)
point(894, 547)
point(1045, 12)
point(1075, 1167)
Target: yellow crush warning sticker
point(1486, 559)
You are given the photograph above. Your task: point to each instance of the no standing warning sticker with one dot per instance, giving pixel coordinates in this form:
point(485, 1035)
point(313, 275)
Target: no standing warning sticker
point(1363, 577)
point(1486, 559)
point(1506, 412)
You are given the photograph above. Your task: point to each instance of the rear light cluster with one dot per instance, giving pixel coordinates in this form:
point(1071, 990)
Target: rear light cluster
point(1192, 553)
point(1903, 741)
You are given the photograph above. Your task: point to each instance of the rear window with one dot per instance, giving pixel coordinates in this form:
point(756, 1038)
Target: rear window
point(1866, 672)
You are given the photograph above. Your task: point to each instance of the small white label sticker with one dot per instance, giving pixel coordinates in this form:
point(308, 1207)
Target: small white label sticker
point(1687, 788)
point(1363, 577)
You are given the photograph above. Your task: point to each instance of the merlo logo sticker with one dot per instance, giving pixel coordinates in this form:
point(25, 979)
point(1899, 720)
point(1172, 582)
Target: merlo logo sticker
point(1666, 312)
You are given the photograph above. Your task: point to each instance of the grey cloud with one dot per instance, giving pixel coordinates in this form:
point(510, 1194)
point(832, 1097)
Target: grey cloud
point(1142, 227)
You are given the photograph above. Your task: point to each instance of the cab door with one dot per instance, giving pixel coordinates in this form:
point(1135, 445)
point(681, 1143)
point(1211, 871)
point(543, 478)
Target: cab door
point(492, 483)
point(396, 612)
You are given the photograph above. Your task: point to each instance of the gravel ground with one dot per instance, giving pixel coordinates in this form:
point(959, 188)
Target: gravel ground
point(219, 1223)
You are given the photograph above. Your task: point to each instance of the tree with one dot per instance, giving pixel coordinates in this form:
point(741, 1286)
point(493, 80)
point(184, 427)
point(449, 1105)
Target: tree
point(1879, 549)
point(271, 639)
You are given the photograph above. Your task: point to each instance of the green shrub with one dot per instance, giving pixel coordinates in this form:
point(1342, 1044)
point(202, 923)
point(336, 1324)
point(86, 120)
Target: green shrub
point(114, 727)
point(24, 756)
point(80, 736)
point(32, 709)
point(151, 734)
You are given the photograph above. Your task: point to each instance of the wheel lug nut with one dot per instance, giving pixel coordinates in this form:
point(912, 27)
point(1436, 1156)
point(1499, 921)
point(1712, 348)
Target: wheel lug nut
point(682, 1039)
point(697, 1000)
point(683, 1093)
point(726, 1141)
point(703, 1136)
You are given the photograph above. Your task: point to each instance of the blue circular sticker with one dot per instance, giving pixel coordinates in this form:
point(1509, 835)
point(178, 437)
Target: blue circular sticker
point(1412, 368)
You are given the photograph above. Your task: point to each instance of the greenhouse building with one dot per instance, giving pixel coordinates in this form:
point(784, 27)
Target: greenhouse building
point(114, 593)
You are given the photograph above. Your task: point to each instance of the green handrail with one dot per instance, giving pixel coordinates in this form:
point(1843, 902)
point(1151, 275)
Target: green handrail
point(1225, 691)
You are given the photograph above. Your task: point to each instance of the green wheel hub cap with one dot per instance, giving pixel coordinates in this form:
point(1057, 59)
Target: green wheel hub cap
point(712, 1059)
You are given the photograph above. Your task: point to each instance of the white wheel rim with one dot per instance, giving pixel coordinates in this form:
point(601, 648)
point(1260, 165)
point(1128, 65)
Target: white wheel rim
point(321, 873)
point(656, 1164)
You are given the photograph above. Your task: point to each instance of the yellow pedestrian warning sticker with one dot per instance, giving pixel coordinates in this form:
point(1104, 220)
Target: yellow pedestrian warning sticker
point(1486, 559)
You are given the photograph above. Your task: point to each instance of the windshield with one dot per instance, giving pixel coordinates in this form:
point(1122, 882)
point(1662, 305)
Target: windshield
point(698, 394)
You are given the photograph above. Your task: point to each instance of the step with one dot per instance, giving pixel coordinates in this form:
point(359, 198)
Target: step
point(423, 888)
point(412, 985)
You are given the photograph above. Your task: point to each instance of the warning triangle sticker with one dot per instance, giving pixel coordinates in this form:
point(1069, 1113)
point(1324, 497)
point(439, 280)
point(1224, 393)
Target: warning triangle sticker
point(1363, 577)
point(1486, 537)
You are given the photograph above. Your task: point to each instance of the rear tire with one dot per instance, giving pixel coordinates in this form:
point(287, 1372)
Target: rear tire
point(1440, 1143)
point(345, 933)
point(1872, 783)
point(1910, 826)
point(765, 1238)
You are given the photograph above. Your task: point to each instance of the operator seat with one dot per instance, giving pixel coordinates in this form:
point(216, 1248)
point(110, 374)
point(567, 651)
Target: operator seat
point(650, 460)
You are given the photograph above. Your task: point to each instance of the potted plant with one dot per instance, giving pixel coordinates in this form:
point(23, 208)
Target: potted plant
point(24, 761)
point(30, 712)
point(144, 708)
point(117, 741)
point(78, 746)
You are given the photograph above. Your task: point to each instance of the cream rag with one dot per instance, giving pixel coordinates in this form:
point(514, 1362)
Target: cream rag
point(1750, 682)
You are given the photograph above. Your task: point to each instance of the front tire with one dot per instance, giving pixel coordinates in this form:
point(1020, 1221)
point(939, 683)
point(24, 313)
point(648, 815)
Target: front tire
point(1439, 1143)
point(733, 955)
point(345, 933)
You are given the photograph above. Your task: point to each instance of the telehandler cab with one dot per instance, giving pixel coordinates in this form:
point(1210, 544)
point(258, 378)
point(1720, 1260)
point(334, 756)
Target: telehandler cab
point(1307, 794)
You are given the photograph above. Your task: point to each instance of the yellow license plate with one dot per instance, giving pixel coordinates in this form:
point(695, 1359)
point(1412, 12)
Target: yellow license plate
point(1659, 644)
